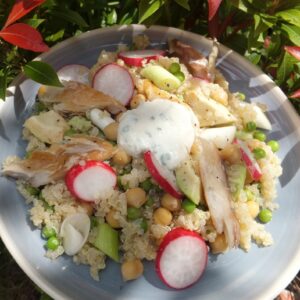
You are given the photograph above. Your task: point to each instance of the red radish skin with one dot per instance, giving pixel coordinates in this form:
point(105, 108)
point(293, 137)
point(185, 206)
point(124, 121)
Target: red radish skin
point(115, 81)
point(87, 173)
point(135, 58)
point(248, 158)
point(155, 169)
point(74, 72)
point(185, 244)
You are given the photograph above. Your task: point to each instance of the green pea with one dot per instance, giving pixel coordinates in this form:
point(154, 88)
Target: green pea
point(144, 225)
point(250, 126)
point(188, 206)
point(52, 243)
point(149, 201)
point(146, 185)
point(259, 135)
point(174, 68)
point(48, 232)
point(274, 145)
point(133, 213)
point(241, 96)
point(180, 76)
point(265, 215)
point(259, 153)
point(32, 190)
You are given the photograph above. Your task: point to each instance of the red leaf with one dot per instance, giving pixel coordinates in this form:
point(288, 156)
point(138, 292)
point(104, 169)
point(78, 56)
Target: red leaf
point(24, 36)
point(296, 94)
point(293, 50)
point(213, 6)
point(20, 9)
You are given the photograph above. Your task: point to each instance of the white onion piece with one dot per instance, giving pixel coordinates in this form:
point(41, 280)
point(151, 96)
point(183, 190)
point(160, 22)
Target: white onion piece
point(74, 231)
point(261, 119)
point(220, 136)
point(100, 118)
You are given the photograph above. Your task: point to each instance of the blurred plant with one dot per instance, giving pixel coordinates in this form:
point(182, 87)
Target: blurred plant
point(266, 32)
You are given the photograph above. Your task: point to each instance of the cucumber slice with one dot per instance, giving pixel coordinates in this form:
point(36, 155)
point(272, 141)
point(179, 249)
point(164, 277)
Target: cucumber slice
point(236, 175)
point(107, 240)
point(161, 77)
point(188, 182)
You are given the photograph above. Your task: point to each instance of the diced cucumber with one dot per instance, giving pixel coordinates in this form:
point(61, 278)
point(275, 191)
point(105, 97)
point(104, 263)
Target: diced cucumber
point(161, 77)
point(107, 240)
point(188, 182)
point(236, 175)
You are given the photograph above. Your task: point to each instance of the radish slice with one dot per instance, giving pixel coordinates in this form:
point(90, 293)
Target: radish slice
point(114, 81)
point(90, 180)
point(220, 136)
point(164, 177)
point(248, 158)
point(74, 231)
point(135, 58)
point(74, 72)
point(181, 258)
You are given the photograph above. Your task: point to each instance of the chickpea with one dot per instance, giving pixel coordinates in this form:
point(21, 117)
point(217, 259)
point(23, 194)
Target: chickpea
point(121, 158)
point(111, 131)
point(132, 269)
point(253, 208)
point(171, 203)
point(111, 219)
point(137, 100)
point(162, 216)
point(118, 117)
point(219, 245)
point(136, 197)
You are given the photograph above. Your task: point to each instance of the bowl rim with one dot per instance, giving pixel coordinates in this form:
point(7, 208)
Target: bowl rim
point(288, 273)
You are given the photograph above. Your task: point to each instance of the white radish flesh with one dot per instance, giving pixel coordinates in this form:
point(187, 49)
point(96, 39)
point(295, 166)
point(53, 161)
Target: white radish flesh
point(163, 176)
point(181, 259)
point(115, 81)
point(74, 72)
point(91, 180)
point(220, 136)
point(74, 231)
point(135, 58)
point(100, 118)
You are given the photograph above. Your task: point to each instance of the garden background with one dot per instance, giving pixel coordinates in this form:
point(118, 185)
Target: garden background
point(265, 32)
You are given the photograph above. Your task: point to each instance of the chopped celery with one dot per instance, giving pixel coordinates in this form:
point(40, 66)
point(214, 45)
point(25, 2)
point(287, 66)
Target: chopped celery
point(236, 175)
point(146, 185)
point(242, 135)
point(188, 182)
point(32, 190)
point(161, 77)
point(107, 240)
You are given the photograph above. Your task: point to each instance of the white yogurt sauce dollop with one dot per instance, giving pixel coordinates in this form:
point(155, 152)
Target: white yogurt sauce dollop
point(164, 127)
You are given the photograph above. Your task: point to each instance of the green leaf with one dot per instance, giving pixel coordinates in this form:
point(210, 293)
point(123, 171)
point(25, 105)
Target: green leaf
point(286, 67)
point(183, 3)
point(291, 15)
point(42, 73)
point(70, 16)
point(148, 8)
point(35, 23)
point(112, 17)
point(275, 45)
point(254, 57)
point(293, 33)
point(3, 84)
point(55, 36)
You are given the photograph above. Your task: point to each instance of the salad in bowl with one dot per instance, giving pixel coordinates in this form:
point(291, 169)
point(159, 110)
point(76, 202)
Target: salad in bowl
point(147, 156)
